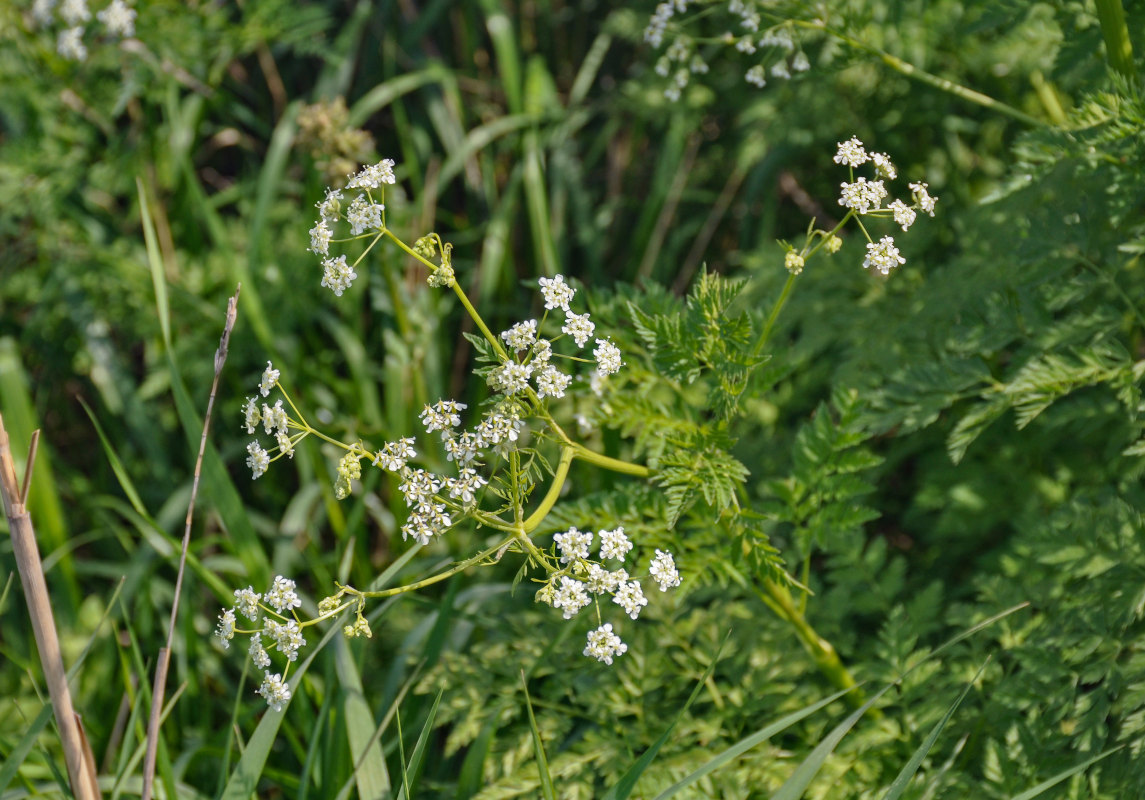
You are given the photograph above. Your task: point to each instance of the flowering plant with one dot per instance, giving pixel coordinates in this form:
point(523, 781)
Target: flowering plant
point(500, 457)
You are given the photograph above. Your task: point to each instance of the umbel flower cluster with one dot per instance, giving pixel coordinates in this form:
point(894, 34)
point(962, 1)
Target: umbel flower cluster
point(864, 198)
point(116, 21)
point(494, 464)
point(769, 52)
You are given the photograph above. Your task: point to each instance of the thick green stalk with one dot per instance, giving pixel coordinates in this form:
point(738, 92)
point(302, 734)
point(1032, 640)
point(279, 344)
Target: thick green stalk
point(554, 492)
point(1118, 48)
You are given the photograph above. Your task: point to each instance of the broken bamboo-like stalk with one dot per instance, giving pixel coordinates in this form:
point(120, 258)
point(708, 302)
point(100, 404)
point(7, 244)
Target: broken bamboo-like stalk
point(81, 769)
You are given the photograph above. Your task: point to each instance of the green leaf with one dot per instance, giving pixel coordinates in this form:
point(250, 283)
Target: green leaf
point(542, 763)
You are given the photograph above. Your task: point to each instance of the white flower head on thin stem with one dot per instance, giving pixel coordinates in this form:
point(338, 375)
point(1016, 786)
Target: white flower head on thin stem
point(862, 195)
point(883, 255)
point(275, 691)
point(924, 200)
point(551, 382)
point(73, 12)
point(257, 459)
point(246, 602)
point(511, 378)
point(282, 596)
point(274, 418)
point(607, 357)
point(579, 327)
point(556, 292)
point(42, 12)
point(614, 544)
point(663, 570)
point(226, 629)
point(904, 214)
point(251, 415)
point(571, 597)
point(69, 44)
point(258, 654)
point(330, 206)
point(269, 379)
point(884, 167)
point(118, 18)
point(287, 637)
point(630, 597)
point(521, 336)
point(441, 416)
point(394, 455)
point(320, 239)
point(851, 152)
point(573, 544)
point(604, 645)
point(364, 215)
point(373, 176)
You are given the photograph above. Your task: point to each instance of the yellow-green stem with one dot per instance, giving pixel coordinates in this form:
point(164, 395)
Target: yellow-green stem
point(609, 463)
point(1118, 48)
point(550, 498)
point(449, 573)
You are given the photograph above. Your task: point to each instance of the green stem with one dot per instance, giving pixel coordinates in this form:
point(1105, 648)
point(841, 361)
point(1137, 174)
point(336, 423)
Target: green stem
point(911, 71)
point(774, 315)
point(449, 573)
point(613, 464)
point(1118, 48)
point(550, 498)
point(826, 659)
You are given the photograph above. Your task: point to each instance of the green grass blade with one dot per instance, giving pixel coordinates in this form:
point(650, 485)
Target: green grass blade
point(589, 68)
point(155, 262)
point(243, 781)
point(417, 757)
point(628, 780)
point(904, 777)
point(798, 782)
point(547, 789)
point(370, 773)
point(1031, 793)
point(383, 94)
point(505, 46)
point(748, 742)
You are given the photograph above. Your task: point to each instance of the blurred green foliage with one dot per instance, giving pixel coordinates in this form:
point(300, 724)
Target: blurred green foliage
point(921, 452)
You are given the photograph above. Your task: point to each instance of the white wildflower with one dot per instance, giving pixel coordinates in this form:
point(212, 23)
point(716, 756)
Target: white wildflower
point(441, 416)
point(851, 153)
point(394, 455)
point(287, 637)
point(862, 195)
point(614, 544)
point(573, 544)
point(73, 12)
point(663, 570)
point(257, 459)
point(364, 215)
point(511, 378)
point(779, 70)
point(578, 326)
point(604, 645)
point(275, 691)
point(571, 596)
point(42, 12)
point(246, 602)
point(521, 336)
point(462, 448)
point(466, 485)
point(258, 653)
point(269, 379)
point(371, 177)
point(904, 214)
point(69, 44)
point(282, 596)
point(884, 167)
point(756, 76)
point(924, 200)
point(883, 255)
point(226, 629)
point(800, 62)
point(330, 206)
point(320, 239)
point(630, 597)
point(118, 18)
point(252, 417)
point(551, 382)
point(607, 357)
point(556, 292)
point(274, 418)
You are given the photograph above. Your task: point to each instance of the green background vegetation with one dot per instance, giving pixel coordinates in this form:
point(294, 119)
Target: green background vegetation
point(924, 452)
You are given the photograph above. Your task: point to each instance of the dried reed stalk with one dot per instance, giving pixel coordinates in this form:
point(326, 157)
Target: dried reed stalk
point(81, 767)
point(164, 660)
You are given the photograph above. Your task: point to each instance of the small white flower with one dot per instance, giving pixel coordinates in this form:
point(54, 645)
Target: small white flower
point(320, 239)
point(418, 486)
point(556, 292)
point(663, 570)
point(441, 416)
point(607, 357)
point(274, 418)
point(497, 428)
point(73, 12)
point(851, 153)
point(461, 448)
point(904, 214)
point(862, 195)
point(258, 653)
point(257, 459)
point(604, 645)
point(226, 630)
point(466, 485)
point(573, 544)
point(630, 597)
point(285, 444)
point(69, 44)
point(364, 215)
point(756, 76)
point(287, 637)
point(42, 12)
point(924, 200)
point(521, 336)
point(252, 417)
point(118, 18)
point(551, 382)
point(584, 425)
point(571, 596)
point(542, 352)
point(511, 378)
point(394, 455)
point(269, 379)
point(282, 596)
point(614, 544)
point(330, 206)
point(746, 45)
point(275, 691)
point(371, 177)
point(884, 166)
point(246, 602)
point(578, 326)
point(800, 63)
point(883, 255)
point(599, 580)
point(780, 70)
